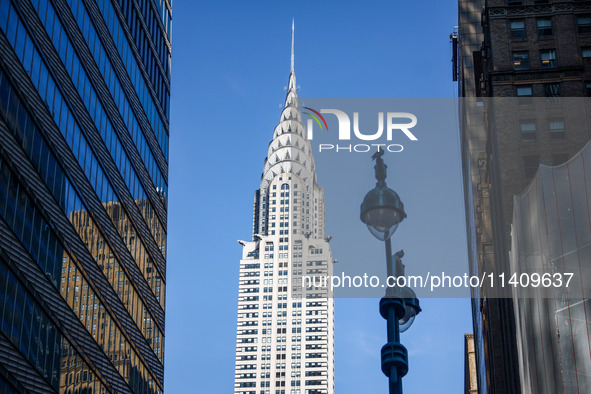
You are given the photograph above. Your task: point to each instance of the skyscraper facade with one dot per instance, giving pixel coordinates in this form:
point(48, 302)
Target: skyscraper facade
point(285, 329)
point(521, 64)
point(84, 114)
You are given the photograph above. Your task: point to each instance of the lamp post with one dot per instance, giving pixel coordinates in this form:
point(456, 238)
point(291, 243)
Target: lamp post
point(382, 211)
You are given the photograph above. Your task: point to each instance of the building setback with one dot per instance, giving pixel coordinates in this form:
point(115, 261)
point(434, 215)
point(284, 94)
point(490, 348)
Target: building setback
point(520, 64)
point(84, 112)
point(285, 329)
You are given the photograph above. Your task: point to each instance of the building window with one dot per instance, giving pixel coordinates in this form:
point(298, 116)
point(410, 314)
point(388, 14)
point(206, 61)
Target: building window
point(524, 94)
point(556, 127)
point(584, 23)
point(552, 92)
point(530, 165)
point(548, 58)
point(586, 54)
point(517, 28)
point(544, 27)
point(521, 60)
point(588, 89)
point(528, 130)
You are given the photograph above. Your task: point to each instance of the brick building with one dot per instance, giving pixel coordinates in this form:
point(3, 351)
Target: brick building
point(523, 68)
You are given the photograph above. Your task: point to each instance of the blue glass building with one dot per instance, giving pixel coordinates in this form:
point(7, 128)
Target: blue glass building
point(84, 122)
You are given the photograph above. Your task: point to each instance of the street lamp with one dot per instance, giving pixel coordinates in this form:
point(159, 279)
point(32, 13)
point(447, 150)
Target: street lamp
point(382, 211)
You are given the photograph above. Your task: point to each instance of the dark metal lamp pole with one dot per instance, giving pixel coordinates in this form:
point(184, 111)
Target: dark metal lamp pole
point(382, 211)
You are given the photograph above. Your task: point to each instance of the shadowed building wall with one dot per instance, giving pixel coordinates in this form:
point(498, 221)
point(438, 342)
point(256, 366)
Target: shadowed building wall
point(518, 63)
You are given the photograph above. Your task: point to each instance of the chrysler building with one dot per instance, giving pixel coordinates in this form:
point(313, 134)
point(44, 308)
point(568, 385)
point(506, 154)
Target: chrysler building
point(285, 329)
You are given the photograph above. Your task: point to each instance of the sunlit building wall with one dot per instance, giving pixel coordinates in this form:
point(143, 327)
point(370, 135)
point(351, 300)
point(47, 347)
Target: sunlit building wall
point(285, 328)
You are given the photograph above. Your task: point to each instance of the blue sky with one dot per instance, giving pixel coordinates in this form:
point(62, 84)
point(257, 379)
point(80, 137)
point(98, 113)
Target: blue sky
point(230, 64)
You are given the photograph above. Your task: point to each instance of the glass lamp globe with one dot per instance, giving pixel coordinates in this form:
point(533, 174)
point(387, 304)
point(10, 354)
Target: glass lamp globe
point(382, 211)
point(412, 307)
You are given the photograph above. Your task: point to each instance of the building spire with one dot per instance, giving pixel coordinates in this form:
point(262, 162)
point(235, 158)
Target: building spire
point(292, 82)
point(290, 151)
point(292, 43)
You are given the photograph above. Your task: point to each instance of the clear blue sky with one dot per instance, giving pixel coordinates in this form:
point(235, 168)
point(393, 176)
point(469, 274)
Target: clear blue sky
point(230, 64)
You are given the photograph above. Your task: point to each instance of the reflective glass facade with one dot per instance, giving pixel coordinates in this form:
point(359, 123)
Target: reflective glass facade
point(84, 113)
point(551, 235)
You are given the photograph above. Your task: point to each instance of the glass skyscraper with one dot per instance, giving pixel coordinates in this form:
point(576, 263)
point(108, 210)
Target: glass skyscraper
point(84, 122)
